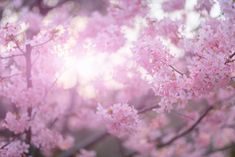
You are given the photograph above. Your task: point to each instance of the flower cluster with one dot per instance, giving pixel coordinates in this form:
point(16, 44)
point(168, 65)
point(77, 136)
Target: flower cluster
point(164, 82)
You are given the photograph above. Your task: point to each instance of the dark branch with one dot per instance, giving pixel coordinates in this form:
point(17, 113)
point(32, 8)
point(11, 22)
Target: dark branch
point(147, 109)
point(224, 148)
point(97, 138)
point(187, 131)
point(176, 70)
point(89, 142)
point(173, 68)
point(232, 55)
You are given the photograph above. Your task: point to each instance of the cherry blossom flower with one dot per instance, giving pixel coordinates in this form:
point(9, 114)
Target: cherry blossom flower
point(120, 119)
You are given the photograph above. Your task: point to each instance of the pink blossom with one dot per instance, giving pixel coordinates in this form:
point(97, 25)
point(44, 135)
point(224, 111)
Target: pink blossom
point(120, 119)
point(14, 149)
point(151, 54)
point(228, 8)
point(46, 139)
point(204, 5)
point(109, 39)
point(173, 5)
point(127, 9)
point(16, 123)
point(205, 81)
point(155, 101)
point(168, 28)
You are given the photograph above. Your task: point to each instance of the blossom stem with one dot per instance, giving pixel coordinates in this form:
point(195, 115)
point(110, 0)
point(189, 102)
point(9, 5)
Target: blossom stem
point(173, 68)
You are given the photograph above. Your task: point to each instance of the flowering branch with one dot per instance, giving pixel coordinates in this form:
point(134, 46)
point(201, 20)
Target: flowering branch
point(97, 138)
point(187, 131)
point(89, 142)
point(147, 109)
point(229, 60)
point(215, 150)
point(174, 69)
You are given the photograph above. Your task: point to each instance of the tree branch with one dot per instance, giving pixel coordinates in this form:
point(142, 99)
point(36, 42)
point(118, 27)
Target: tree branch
point(28, 66)
point(191, 128)
point(176, 70)
point(43, 43)
point(224, 148)
point(28, 62)
point(89, 142)
point(187, 131)
point(8, 77)
point(12, 56)
point(147, 109)
point(97, 138)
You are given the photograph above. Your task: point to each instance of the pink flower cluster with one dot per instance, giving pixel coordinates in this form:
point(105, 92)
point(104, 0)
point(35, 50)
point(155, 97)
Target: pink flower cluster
point(164, 89)
point(120, 119)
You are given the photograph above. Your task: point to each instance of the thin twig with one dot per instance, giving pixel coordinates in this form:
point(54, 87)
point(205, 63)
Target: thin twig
point(18, 46)
point(224, 148)
point(232, 55)
point(8, 77)
point(12, 56)
point(176, 70)
point(43, 43)
point(183, 115)
point(147, 109)
point(173, 68)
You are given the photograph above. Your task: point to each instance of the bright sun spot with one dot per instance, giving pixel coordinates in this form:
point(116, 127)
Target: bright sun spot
point(87, 68)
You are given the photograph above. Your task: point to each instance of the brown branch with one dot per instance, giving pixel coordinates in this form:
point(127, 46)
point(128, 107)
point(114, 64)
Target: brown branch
point(147, 109)
point(89, 142)
point(132, 153)
point(187, 131)
point(173, 68)
point(191, 128)
point(232, 55)
point(97, 138)
point(7, 143)
point(43, 43)
point(15, 136)
point(224, 148)
point(176, 70)
point(230, 60)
